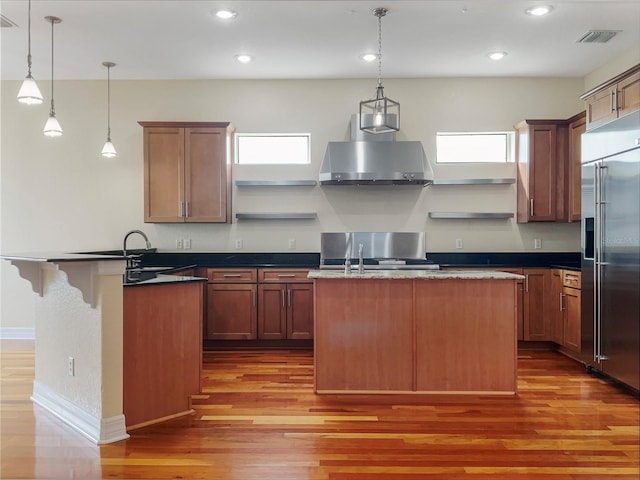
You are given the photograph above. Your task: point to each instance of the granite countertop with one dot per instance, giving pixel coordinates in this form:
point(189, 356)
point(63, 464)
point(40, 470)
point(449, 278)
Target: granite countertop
point(160, 279)
point(57, 257)
point(416, 274)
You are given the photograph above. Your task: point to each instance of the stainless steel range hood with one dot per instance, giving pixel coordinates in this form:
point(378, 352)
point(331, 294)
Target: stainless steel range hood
point(374, 160)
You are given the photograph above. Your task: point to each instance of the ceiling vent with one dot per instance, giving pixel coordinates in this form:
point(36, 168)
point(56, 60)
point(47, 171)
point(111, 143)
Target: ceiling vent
point(598, 36)
point(6, 23)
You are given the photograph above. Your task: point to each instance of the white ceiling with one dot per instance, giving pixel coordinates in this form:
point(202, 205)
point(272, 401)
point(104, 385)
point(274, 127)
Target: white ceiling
point(312, 39)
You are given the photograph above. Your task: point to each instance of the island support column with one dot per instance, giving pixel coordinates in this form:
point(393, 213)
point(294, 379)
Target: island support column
point(78, 344)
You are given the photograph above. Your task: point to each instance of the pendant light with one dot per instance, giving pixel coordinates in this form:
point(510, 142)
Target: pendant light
point(108, 150)
point(52, 128)
point(380, 115)
point(29, 92)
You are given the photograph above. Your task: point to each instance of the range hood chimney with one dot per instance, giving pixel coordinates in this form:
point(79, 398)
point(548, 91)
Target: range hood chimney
point(374, 160)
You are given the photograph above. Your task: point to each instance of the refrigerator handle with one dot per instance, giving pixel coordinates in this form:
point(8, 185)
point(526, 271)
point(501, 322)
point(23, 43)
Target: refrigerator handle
point(596, 265)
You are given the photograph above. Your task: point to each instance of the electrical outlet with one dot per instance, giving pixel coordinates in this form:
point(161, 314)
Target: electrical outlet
point(537, 243)
point(186, 244)
point(458, 243)
point(179, 244)
point(238, 244)
point(71, 366)
point(292, 244)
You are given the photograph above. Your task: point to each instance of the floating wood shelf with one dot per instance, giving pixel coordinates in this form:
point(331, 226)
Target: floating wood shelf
point(469, 215)
point(276, 183)
point(475, 181)
point(276, 216)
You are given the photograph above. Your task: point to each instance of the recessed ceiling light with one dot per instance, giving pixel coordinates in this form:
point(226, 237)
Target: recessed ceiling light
point(497, 55)
point(539, 10)
point(226, 14)
point(368, 57)
point(243, 58)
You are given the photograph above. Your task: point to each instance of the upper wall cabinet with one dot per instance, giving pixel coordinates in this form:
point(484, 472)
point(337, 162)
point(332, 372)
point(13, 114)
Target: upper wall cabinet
point(187, 172)
point(548, 161)
point(613, 99)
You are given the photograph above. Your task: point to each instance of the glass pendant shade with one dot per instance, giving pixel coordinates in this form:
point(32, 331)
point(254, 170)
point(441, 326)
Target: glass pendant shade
point(52, 128)
point(380, 115)
point(109, 150)
point(29, 92)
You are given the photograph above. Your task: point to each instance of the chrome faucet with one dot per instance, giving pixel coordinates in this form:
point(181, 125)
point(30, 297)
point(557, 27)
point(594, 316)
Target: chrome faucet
point(360, 260)
point(132, 261)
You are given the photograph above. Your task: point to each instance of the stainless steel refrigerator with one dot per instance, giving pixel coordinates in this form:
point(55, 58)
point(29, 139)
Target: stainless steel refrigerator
point(610, 244)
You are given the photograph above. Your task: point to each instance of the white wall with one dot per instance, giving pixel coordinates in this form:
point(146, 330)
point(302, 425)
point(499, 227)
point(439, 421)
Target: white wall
point(624, 62)
point(60, 195)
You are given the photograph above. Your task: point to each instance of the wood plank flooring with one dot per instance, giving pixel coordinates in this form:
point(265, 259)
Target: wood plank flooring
point(258, 418)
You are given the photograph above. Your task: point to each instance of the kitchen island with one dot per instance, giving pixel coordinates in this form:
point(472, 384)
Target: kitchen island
point(414, 331)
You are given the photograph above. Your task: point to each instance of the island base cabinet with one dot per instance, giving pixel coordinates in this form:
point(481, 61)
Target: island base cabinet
point(363, 336)
point(466, 345)
point(162, 342)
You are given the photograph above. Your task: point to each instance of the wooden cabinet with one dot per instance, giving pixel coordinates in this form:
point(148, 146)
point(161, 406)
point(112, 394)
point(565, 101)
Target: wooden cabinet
point(187, 172)
point(231, 304)
point(549, 170)
point(613, 99)
point(285, 304)
point(537, 304)
point(557, 316)
point(162, 350)
point(536, 147)
point(577, 126)
point(566, 321)
point(259, 304)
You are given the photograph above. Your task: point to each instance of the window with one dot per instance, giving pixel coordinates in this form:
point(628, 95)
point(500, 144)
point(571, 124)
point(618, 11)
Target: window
point(474, 147)
point(272, 149)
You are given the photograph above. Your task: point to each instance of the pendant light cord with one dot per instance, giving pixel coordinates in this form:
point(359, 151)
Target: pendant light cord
point(29, 41)
point(52, 113)
point(108, 103)
point(379, 14)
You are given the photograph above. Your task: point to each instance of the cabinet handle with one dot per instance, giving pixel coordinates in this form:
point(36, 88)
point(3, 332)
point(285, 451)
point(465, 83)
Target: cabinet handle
point(561, 306)
point(614, 100)
point(283, 304)
point(180, 205)
point(526, 283)
point(531, 207)
point(289, 298)
point(231, 275)
point(286, 275)
point(187, 213)
point(254, 298)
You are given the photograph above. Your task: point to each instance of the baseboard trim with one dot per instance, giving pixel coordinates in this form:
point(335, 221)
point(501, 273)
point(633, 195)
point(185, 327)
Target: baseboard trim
point(17, 333)
point(98, 430)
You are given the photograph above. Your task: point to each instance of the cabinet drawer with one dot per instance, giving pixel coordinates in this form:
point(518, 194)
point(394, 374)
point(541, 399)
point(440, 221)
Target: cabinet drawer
point(281, 275)
point(232, 275)
point(571, 279)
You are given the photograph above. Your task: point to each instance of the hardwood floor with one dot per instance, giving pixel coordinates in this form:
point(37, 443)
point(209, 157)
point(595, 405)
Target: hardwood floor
point(258, 418)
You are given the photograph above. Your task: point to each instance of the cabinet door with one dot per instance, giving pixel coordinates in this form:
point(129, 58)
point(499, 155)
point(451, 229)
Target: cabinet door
point(557, 317)
point(537, 170)
point(206, 183)
point(300, 311)
point(601, 107)
point(572, 318)
point(576, 129)
point(542, 173)
point(231, 311)
point(629, 95)
point(163, 174)
point(537, 315)
point(272, 314)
